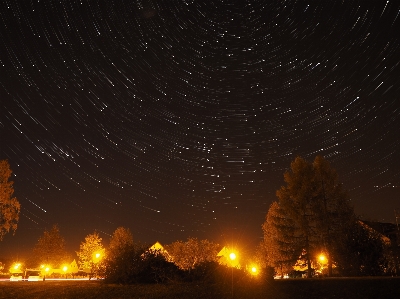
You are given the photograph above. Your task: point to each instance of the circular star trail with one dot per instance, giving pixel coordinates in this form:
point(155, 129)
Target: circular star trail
point(179, 118)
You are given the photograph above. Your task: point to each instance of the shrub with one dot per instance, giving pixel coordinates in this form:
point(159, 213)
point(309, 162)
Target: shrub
point(137, 265)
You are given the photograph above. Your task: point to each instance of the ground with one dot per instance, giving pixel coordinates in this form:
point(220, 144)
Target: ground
point(363, 288)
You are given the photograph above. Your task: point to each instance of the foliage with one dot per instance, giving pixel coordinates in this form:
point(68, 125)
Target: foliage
point(314, 201)
point(296, 200)
point(205, 271)
point(88, 251)
point(153, 267)
point(120, 257)
point(362, 252)
point(50, 249)
point(278, 248)
point(136, 264)
point(186, 255)
point(121, 240)
point(9, 206)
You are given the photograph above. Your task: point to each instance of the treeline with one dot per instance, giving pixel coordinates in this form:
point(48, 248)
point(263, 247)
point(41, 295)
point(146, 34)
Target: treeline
point(314, 217)
point(311, 229)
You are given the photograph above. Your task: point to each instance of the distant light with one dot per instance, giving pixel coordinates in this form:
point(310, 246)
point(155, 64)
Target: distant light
point(254, 269)
point(232, 256)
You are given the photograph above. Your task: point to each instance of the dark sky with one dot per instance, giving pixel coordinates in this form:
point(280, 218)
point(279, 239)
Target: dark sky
point(178, 118)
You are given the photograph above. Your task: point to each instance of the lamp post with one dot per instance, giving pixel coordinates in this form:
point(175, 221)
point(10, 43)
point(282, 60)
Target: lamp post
point(65, 269)
point(232, 256)
point(47, 269)
point(97, 256)
point(323, 260)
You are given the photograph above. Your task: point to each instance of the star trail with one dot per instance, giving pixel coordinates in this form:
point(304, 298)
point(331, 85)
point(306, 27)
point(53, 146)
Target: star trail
point(178, 118)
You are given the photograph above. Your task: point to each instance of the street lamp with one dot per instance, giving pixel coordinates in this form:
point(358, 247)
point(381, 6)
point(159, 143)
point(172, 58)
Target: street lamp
point(46, 271)
point(96, 257)
point(65, 269)
point(16, 266)
point(232, 256)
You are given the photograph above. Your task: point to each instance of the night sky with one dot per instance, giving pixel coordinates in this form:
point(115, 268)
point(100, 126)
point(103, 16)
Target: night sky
point(178, 118)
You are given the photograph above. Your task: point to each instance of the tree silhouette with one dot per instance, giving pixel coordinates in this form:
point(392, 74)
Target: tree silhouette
point(50, 249)
point(9, 206)
point(91, 253)
point(318, 206)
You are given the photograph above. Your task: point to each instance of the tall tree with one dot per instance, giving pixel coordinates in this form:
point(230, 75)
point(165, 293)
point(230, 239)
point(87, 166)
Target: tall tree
point(121, 241)
point(9, 206)
point(91, 253)
point(319, 207)
point(332, 209)
point(121, 255)
point(50, 249)
point(296, 199)
point(278, 248)
point(187, 255)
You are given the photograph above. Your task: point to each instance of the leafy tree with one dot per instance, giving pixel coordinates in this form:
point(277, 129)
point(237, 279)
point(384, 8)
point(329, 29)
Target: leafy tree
point(362, 252)
point(121, 240)
point(91, 253)
point(332, 209)
point(153, 267)
point(186, 255)
point(120, 254)
point(9, 206)
point(50, 249)
point(316, 203)
point(138, 264)
point(278, 249)
point(296, 199)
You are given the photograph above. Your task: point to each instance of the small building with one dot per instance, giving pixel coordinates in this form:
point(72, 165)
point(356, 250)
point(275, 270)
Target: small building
point(228, 257)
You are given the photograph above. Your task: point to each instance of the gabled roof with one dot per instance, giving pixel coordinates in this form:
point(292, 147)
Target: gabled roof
point(385, 239)
point(157, 247)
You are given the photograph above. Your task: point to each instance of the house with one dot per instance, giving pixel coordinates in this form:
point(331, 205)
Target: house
point(228, 257)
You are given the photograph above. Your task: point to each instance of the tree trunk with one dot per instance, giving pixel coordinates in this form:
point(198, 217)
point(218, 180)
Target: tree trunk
point(329, 265)
point(308, 259)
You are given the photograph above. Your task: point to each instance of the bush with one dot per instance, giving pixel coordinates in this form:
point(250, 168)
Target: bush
point(137, 265)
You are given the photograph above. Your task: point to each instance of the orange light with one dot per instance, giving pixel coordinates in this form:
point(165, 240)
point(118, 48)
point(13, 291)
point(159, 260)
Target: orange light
point(232, 256)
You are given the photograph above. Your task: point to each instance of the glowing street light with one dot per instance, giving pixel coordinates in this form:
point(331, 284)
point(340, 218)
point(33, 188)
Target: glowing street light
point(232, 256)
point(322, 258)
point(96, 257)
point(46, 270)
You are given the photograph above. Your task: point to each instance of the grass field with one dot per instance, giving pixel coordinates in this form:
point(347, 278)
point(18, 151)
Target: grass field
point(374, 288)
